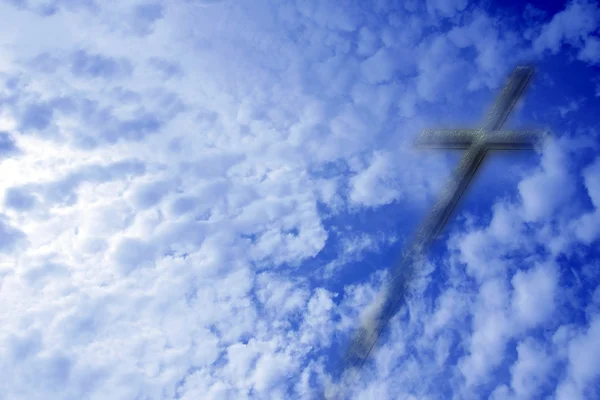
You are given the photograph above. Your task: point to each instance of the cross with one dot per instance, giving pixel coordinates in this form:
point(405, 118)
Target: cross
point(477, 142)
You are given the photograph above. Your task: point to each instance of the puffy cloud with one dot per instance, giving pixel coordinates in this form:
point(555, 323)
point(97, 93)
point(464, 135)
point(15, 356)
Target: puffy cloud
point(549, 188)
point(534, 296)
point(367, 43)
point(19, 199)
point(591, 50)
point(7, 145)
point(11, 236)
point(586, 227)
point(582, 370)
point(530, 373)
point(131, 254)
point(575, 25)
point(370, 186)
point(491, 329)
point(178, 178)
point(447, 8)
point(145, 16)
point(36, 116)
point(89, 65)
point(379, 67)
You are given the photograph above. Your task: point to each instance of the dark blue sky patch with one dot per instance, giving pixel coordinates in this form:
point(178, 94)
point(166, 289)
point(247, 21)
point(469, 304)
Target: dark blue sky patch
point(138, 128)
point(151, 194)
point(37, 116)
point(145, 16)
point(101, 123)
point(18, 3)
point(7, 145)
point(184, 204)
point(47, 9)
point(24, 345)
point(63, 191)
point(168, 68)
point(45, 62)
point(149, 11)
point(131, 254)
point(84, 142)
point(50, 8)
point(64, 104)
point(40, 275)
point(19, 199)
point(169, 104)
point(9, 236)
point(134, 129)
point(125, 96)
point(91, 65)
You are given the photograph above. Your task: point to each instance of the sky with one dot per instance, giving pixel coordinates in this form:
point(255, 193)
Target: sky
point(203, 199)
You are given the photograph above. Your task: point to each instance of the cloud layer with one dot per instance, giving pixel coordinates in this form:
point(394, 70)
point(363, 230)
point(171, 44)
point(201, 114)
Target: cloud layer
point(200, 199)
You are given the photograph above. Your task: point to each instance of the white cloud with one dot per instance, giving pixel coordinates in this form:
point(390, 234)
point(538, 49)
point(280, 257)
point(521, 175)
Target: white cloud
point(176, 176)
point(572, 106)
point(549, 188)
point(574, 25)
point(591, 50)
point(447, 8)
point(534, 296)
point(379, 68)
point(586, 227)
point(367, 42)
point(582, 369)
point(372, 186)
point(530, 372)
point(132, 253)
point(490, 332)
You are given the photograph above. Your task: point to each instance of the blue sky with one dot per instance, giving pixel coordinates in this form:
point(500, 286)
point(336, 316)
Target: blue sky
point(202, 198)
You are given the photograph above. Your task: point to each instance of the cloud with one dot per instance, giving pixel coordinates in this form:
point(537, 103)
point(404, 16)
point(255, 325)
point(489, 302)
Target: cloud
point(530, 374)
point(11, 237)
point(549, 188)
point(585, 227)
point(36, 116)
point(582, 371)
point(132, 253)
point(64, 190)
point(446, 8)
point(7, 145)
point(367, 42)
point(534, 297)
point(145, 16)
point(19, 199)
point(531, 371)
point(575, 26)
point(512, 298)
point(379, 67)
point(150, 194)
point(370, 186)
point(168, 68)
point(209, 2)
point(201, 211)
point(591, 51)
point(85, 64)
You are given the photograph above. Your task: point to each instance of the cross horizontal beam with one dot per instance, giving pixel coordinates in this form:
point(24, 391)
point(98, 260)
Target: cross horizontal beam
point(464, 138)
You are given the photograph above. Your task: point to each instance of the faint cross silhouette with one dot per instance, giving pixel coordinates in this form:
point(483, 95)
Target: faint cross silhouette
point(477, 142)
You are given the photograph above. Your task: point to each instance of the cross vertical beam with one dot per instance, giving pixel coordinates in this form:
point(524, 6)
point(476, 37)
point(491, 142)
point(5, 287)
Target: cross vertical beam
point(477, 142)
